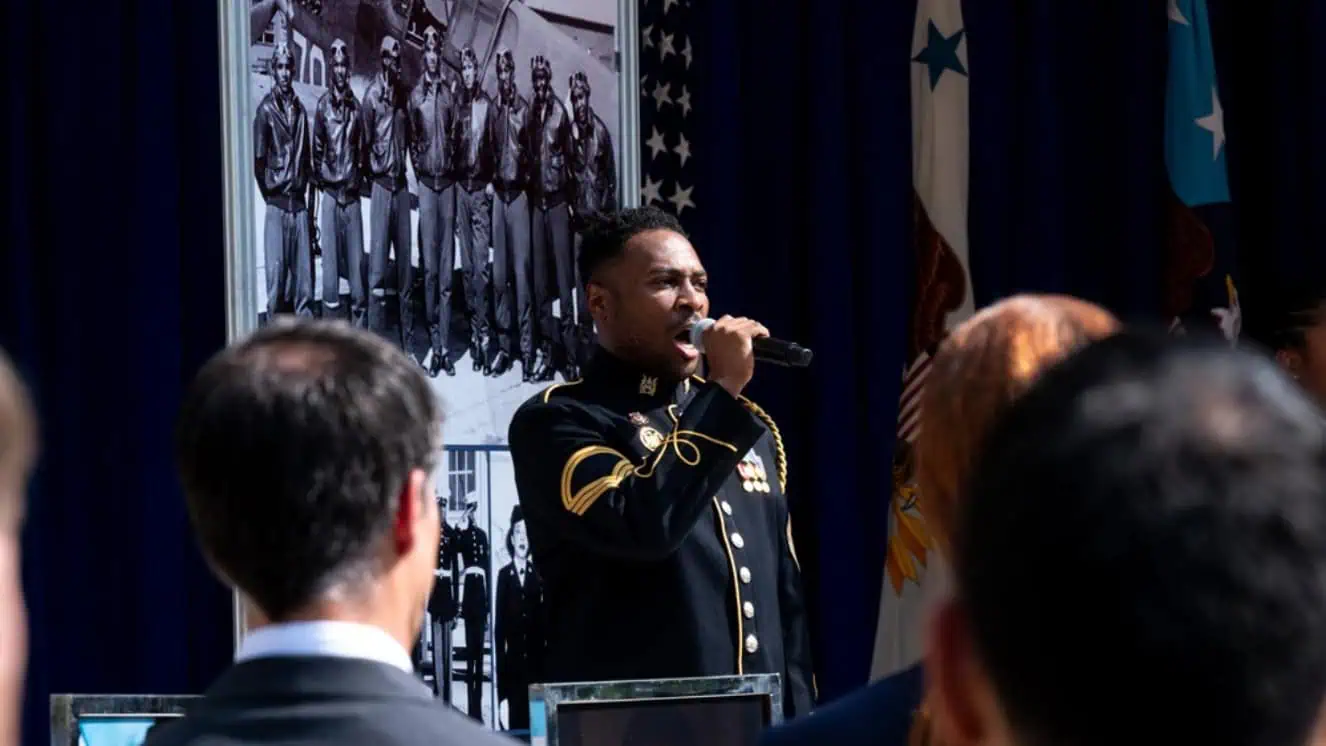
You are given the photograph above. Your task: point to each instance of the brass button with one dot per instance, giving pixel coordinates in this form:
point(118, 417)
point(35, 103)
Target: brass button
point(745, 574)
point(752, 643)
point(727, 507)
point(737, 541)
point(748, 609)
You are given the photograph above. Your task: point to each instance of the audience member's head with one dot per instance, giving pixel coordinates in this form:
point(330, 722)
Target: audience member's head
point(18, 452)
point(978, 370)
point(1290, 323)
point(305, 453)
point(1141, 557)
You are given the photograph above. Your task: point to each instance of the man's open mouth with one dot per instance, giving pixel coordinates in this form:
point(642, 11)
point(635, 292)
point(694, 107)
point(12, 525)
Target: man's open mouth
point(681, 341)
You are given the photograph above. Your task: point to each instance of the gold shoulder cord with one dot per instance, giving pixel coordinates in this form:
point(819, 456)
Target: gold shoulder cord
point(547, 393)
point(780, 453)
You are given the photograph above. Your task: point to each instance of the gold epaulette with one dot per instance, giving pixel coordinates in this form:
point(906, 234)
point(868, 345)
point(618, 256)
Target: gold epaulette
point(547, 393)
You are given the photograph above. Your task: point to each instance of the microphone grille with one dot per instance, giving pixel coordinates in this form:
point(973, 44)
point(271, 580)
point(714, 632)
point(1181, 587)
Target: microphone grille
point(697, 333)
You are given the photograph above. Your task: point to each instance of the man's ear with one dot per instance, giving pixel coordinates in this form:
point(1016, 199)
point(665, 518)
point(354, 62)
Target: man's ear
point(958, 696)
point(410, 510)
point(597, 300)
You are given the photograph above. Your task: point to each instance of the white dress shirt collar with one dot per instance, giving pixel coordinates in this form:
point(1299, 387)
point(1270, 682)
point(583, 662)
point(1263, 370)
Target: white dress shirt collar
point(324, 639)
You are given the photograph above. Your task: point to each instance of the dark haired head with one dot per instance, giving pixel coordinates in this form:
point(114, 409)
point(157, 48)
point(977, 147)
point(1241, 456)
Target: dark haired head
point(304, 452)
point(517, 534)
point(1291, 325)
point(644, 284)
point(1142, 556)
point(605, 235)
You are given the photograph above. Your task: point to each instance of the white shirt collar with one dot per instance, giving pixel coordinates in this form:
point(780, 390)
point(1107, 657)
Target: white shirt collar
point(324, 639)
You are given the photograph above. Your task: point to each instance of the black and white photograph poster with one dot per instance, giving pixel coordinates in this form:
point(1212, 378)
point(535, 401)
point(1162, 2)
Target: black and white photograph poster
point(422, 169)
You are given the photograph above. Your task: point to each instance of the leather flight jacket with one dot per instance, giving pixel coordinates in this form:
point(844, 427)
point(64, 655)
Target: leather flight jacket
point(386, 131)
point(338, 146)
point(282, 161)
point(595, 170)
point(511, 141)
point(474, 141)
point(552, 154)
point(432, 132)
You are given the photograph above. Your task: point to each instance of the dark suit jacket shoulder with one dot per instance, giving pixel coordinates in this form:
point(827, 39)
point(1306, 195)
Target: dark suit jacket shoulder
point(878, 715)
point(325, 701)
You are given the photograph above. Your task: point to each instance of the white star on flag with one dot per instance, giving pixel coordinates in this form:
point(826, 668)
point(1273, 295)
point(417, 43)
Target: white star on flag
point(682, 199)
point(683, 150)
point(666, 78)
point(655, 144)
point(1215, 124)
point(662, 93)
point(1175, 14)
point(649, 193)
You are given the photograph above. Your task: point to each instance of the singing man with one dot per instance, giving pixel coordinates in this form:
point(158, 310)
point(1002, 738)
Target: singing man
point(655, 499)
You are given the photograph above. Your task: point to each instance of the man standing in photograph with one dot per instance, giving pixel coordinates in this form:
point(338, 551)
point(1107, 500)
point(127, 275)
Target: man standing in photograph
point(338, 150)
point(442, 604)
point(386, 135)
point(432, 120)
point(594, 178)
point(511, 239)
point(550, 192)
point(474, 199)
point(283, 165)
point(472, 546)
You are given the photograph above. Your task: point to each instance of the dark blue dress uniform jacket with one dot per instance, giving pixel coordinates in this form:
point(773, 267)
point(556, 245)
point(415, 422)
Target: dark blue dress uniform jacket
point(657, 515)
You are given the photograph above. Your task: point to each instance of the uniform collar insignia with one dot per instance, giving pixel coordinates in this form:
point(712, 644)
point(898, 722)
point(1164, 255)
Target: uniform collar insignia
point(648, 385)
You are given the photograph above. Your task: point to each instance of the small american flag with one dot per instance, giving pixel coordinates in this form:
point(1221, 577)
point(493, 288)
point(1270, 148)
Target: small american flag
point(666, 84)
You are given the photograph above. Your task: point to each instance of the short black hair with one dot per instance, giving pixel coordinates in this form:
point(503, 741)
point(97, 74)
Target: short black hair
point(1278, 323)
point(1142, 557)
point(605, 235)
point(293, 447)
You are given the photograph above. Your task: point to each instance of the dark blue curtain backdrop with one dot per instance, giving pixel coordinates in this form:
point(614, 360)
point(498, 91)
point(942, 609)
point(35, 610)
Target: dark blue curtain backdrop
point(113, 285)
point(804, 210)
point(113, 273)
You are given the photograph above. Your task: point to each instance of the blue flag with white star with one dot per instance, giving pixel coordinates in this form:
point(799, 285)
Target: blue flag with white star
point(1201, 267)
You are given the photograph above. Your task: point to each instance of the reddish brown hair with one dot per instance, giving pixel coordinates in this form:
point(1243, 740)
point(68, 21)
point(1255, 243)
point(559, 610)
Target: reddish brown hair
point(18, 444)
point(978, 370)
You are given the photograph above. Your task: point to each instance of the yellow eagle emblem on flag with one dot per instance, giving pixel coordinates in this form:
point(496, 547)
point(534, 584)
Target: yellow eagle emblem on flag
point(909, 541)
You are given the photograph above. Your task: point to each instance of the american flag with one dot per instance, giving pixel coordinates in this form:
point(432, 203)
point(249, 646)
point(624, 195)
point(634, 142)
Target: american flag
point(667, 170)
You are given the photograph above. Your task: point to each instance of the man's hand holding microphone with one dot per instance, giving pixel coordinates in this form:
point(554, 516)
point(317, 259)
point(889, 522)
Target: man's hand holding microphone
point(732, 345)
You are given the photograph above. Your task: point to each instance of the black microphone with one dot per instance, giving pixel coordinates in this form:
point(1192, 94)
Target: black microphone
point(767, 349)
